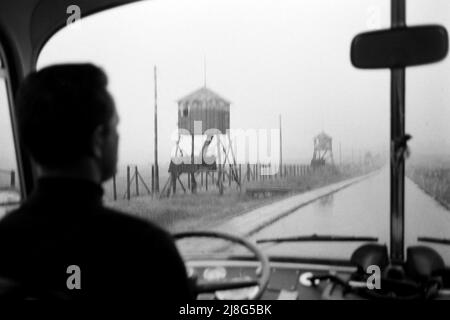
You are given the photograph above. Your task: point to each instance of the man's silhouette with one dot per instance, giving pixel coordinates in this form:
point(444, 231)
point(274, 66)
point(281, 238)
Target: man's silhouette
point(62, 242)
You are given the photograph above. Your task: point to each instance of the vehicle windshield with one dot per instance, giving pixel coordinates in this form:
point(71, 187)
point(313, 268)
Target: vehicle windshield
point(295, 139)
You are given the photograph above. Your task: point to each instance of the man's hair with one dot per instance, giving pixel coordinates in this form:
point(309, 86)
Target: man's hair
point(58, 109)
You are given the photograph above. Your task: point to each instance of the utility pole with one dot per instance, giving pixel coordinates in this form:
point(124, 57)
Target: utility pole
point(204, 71)
point(156, 136)
point(257, 146)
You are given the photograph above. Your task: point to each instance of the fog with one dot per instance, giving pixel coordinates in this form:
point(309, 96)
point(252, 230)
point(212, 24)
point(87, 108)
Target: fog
point(269, 58)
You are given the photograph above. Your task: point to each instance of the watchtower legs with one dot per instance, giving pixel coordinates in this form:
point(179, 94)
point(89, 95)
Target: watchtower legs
point(225, 156)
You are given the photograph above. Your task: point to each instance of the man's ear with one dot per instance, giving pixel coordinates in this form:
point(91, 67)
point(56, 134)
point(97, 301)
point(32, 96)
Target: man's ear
point(97, 141)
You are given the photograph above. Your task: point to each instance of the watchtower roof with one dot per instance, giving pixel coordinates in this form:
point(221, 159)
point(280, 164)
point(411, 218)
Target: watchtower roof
point(322, 136)
point(202, 94)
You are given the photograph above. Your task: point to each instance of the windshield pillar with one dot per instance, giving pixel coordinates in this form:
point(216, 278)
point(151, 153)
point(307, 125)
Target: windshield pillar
point(398, 144)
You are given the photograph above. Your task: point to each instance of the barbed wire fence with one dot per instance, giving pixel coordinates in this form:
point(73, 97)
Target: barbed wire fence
point(139, 180)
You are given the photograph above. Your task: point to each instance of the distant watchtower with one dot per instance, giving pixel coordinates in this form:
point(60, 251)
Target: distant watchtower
point(202, 113)
point(323, 150)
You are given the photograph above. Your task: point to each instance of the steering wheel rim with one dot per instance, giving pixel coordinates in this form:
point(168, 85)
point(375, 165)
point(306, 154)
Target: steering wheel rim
point(261, 279)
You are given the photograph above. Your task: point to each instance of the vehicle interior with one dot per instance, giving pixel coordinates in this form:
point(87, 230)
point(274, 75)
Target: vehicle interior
point(305, 264)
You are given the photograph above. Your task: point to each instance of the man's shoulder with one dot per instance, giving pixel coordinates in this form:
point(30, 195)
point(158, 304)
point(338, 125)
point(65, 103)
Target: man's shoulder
point(128, 222)
point(106, 220)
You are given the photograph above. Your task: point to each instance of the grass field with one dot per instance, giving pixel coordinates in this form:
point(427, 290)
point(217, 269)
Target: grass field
point(432, 175)
point(204, 210)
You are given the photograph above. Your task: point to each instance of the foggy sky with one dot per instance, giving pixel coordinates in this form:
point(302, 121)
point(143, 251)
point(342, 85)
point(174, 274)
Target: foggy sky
point(268, 57)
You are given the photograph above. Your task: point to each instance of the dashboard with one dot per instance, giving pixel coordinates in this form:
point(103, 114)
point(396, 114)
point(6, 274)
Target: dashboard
point(288, 281)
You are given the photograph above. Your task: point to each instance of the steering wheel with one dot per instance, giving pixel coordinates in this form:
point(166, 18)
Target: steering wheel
point(262, 275)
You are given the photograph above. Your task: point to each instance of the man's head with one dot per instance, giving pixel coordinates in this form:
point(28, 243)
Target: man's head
point(66, 117)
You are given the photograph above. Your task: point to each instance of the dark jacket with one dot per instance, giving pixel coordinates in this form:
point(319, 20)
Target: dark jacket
point(64, 223)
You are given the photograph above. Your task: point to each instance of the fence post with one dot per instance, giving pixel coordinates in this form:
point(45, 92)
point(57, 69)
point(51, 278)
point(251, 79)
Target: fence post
point(153, 179)
point(136, 176)
point(240, 173)
point(174, 176)
point(201, 179)
point(128, 182)
point(13, 179)
point(206, 181)
point(114, 188)
point(189, 181)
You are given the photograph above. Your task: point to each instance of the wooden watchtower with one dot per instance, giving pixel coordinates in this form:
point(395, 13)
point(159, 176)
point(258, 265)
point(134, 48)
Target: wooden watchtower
point(202, 112)
point(323, 150)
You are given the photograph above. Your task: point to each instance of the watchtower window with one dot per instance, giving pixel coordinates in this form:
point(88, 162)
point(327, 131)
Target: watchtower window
point(184, 110)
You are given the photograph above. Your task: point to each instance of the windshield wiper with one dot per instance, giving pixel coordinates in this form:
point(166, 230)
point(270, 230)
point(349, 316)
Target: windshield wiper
point(316, 237)
point(434, 240)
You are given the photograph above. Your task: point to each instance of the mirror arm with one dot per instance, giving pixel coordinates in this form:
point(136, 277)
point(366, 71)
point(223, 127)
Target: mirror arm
point(398, 13)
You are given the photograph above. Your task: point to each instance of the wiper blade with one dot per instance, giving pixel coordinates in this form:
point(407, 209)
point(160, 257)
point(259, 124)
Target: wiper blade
point(433, 240)
point(315, 237)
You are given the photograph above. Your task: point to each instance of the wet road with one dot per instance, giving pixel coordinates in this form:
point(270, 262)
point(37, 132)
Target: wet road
point(359, 210)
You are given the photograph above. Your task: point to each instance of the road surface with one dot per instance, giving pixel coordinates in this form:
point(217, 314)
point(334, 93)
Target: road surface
point(362, 209)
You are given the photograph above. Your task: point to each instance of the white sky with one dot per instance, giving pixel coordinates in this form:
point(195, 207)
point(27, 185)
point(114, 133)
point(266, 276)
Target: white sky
point(268, 57)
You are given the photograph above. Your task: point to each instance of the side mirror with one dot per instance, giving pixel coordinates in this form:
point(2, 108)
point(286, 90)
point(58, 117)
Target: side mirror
point(399, 47)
